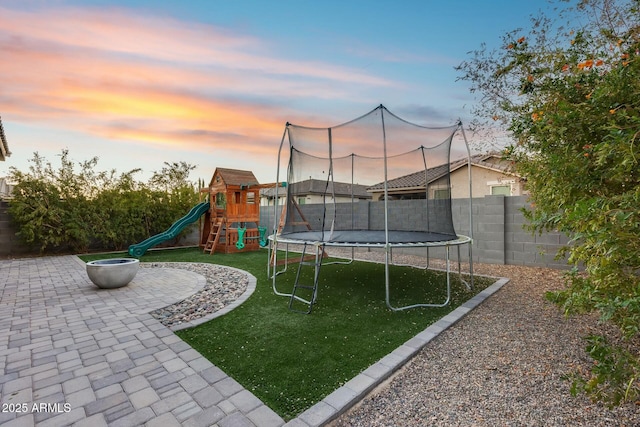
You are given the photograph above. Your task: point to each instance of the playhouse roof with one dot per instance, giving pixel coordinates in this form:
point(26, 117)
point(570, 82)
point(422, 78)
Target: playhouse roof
point(234, 177)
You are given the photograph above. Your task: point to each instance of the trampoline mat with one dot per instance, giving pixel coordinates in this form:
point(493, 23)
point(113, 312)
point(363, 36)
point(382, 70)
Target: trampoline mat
point(362, 237)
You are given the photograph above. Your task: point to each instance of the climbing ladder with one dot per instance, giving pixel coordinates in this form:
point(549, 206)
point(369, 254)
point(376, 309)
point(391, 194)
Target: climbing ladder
point(305, 288)
point(305, 294)
point(214, 235)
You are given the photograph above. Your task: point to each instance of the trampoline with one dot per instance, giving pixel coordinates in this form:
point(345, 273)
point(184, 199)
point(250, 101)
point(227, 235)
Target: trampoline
point(395, 195)
point(367, 237)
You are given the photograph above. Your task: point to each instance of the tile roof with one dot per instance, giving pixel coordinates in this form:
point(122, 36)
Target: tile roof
point(417, 179)
point(4, 146)
point(318, 186)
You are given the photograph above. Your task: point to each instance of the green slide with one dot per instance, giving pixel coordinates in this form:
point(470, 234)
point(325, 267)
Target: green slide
point(196, 212)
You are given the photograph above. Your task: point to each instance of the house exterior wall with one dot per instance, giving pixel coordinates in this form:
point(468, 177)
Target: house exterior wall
point(268, 201)
point(316, 198)
point(5, 188)
point(482, 179)
point(309, 199)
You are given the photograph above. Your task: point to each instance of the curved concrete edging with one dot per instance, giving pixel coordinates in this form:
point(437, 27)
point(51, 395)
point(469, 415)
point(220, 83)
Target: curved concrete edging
point(202, 281)
point(251, 287)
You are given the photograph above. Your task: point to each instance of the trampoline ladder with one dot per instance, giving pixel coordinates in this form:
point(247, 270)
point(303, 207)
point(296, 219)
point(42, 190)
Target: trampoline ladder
point(310, 291)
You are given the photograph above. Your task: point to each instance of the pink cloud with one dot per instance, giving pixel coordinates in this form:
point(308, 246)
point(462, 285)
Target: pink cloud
point(153, 79)
point(118, 31)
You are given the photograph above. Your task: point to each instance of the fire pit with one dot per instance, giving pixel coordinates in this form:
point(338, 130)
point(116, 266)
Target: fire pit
point(112, 273)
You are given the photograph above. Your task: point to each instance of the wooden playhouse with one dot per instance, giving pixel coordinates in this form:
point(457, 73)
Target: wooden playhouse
point(232, 223)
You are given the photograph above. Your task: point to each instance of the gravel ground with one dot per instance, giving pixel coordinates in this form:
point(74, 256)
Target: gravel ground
point(224, 286)
point(501, 365)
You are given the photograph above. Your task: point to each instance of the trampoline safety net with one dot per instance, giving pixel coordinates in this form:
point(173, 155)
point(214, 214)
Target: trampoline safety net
point(376, 179)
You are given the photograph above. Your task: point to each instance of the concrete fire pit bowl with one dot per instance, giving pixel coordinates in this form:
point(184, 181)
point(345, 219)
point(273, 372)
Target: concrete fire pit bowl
point(112, 273)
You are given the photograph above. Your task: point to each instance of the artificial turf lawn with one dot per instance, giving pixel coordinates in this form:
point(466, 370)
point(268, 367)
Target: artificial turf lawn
point(291, 361)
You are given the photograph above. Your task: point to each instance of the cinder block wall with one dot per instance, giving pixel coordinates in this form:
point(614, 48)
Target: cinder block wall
point(10, 245)
point(499, 236)
point(488, 229)
point(526, 248)
point(498, 233)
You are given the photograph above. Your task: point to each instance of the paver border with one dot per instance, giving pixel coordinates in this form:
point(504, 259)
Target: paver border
point(345, 397)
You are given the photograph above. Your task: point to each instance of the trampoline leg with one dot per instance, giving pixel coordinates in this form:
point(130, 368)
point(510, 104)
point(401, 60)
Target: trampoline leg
point(428, 258)
point(350, 261)
point(406, 307)
point(270, 248)
point(469, 286)
point(471, 262)
point(310, 288)
point(274, 259)
point(273, 262)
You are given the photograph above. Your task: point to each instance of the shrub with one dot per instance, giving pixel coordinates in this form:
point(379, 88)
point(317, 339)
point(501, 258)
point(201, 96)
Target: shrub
point(73, 210)
point(569, 95)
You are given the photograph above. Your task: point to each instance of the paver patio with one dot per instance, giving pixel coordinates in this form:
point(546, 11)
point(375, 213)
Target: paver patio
point(73, 354)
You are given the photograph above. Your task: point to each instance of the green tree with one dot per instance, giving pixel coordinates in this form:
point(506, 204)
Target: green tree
point(568, 95)
point(75, 208)
point(50, 205)
point(173, 190)
point(121, 208)
point(172, 176)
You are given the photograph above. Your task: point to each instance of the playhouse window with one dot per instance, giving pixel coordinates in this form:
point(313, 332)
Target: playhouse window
point(221, 200)
point(251, 198)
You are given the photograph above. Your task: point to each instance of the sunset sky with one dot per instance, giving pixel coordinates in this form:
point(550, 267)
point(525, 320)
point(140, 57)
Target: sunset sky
point(212, 83)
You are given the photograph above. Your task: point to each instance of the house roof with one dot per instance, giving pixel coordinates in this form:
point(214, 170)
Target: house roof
point(235, 177)
point(4, 146)
point(417, 179)
point(318, 186)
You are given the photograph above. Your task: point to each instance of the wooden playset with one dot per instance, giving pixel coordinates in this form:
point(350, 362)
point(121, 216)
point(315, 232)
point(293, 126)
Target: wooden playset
point(232, 223)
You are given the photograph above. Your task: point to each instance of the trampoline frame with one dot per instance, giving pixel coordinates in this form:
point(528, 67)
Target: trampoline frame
point(388, 261)
point(275, 238)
